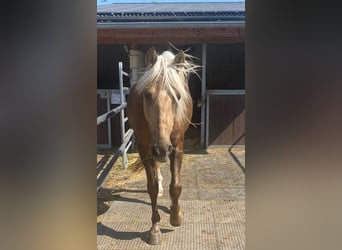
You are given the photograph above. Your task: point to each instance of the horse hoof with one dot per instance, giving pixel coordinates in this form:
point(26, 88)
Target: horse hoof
point(176, 217)
point(154, 238)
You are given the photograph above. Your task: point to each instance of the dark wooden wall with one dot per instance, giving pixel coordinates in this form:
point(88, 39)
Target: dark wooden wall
point(108, 57)
point(226, 66)
point(226, 120)
point(226, 71)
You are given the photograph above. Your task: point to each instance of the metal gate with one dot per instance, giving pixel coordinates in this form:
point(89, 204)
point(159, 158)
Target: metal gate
point(126, 135)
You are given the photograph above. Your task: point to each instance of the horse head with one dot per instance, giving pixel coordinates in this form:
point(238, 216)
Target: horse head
point(165, 98)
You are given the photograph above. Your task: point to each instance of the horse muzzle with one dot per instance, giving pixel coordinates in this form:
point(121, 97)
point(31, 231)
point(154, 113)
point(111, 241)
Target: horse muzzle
point(161, 152)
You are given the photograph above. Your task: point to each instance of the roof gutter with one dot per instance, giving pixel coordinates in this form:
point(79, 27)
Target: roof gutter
point(169, 25)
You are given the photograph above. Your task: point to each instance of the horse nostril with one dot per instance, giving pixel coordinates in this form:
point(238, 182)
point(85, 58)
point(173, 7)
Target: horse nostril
point(156, 150)
point(169, 149)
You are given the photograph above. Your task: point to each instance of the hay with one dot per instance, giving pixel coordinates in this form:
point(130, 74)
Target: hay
point(118, 176)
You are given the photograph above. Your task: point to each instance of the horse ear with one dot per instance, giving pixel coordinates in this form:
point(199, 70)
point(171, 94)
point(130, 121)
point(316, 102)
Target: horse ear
point(180, 58)
point(151, 57)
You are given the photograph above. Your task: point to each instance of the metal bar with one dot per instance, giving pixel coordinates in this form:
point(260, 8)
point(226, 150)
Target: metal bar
point(203, 96)
point(128, 146)
point(128, 134)
point(122, 96)
point(125, 73)
point(104, 117)
point(122, 120)
point(109, 122)
point(112, 91)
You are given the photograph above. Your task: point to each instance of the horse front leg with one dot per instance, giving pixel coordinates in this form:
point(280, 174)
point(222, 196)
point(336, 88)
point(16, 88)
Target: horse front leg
point(175, 189)
point(160, 182)
point(152, 187)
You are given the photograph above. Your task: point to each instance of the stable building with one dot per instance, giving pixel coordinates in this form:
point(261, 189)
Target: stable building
point(214, 33)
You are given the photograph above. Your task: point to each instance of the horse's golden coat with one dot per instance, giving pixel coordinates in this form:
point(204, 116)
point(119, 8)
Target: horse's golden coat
point(159, 111)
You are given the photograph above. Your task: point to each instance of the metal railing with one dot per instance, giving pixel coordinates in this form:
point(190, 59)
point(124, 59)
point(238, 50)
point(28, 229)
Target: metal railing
point(126, 135)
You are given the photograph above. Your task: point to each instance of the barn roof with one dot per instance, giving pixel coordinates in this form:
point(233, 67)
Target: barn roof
point(126, 14)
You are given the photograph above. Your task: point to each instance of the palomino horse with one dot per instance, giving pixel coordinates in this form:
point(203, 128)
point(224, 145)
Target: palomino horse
point(159, 111)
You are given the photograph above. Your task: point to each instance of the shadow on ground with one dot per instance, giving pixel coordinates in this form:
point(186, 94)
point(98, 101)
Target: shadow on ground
point(123, 235)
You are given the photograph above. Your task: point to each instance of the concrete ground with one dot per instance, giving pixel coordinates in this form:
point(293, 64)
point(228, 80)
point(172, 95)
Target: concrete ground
point(212, 201)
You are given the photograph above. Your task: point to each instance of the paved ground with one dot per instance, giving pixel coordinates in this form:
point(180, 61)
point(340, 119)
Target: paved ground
point(212, 201)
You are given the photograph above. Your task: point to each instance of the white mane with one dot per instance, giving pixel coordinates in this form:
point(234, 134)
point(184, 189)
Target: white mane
point(172, 77)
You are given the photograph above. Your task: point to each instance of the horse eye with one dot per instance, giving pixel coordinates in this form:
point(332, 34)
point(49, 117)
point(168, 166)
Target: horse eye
point(148, 95)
